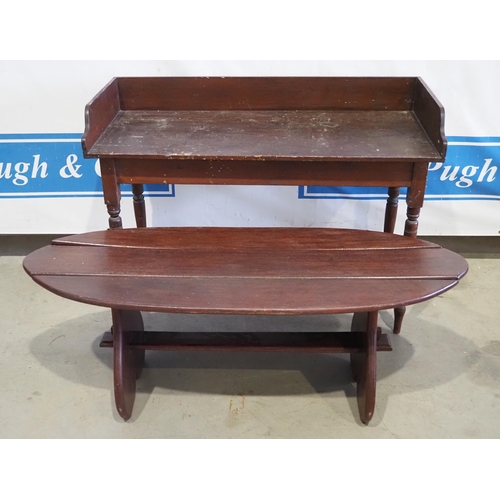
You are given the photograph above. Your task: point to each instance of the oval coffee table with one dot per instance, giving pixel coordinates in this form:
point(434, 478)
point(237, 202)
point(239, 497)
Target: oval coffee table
point(245, 271)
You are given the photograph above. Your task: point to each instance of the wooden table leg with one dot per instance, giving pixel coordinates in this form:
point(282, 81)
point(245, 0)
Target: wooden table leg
point(139, 206)
point(414, 201)
point(399, 313)
point(391, 212)
point(391, 209)
point(112, 192)
point(127, 362)
point(415, 198)
point(411, 224)
point(364, 364)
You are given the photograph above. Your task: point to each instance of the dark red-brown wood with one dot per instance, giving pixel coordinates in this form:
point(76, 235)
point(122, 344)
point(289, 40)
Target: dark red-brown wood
point(258, 172)
point(226, 295)
point(390, 264)
point(139, 205)
point(338, 131)
point(391, 210)
point(260, 131)
point(312, 342)
point(266, 93)
point(245, 271)
point(127, 362)
point(364, 363)
point(297, 135)
point(284, 98)
point(240, 238)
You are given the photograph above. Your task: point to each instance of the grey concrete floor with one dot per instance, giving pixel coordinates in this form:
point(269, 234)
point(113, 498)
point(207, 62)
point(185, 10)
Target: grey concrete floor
point(442, 379)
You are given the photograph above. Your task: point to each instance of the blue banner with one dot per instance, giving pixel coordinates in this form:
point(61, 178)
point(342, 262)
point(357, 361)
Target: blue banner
point(469, 172)
point(52, 165)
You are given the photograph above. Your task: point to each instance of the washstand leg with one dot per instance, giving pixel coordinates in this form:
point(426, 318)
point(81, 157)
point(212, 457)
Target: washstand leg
point(127, 362)
point(364, 364)
point(399, 313)
point(139, 205)
point(391, 209)
point(112, 192)
point(391, 212)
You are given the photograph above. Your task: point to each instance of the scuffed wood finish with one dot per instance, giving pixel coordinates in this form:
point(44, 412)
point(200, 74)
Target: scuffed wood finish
point(267, 135)
point(330, 131)
point(284, 118)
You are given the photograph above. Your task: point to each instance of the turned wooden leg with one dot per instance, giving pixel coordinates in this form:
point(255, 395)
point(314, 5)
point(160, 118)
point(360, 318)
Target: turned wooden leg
point(111, 191)
point(364, 364)
point(391, 210)
point(415, 198)
point(115, 221)
point(139, 206)
point(411, 224)
point(127, 362)
point(399, 313)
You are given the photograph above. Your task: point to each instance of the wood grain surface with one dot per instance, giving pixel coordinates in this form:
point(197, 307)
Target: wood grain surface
point(245, 270)
point(266, 135)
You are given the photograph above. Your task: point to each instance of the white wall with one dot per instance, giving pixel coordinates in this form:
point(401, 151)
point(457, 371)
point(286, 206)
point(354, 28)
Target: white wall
point(48, 97)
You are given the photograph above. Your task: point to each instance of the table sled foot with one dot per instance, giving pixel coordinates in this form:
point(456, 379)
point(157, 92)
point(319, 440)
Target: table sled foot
point(129, 342)
point(127, 362)
point(364, 363)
